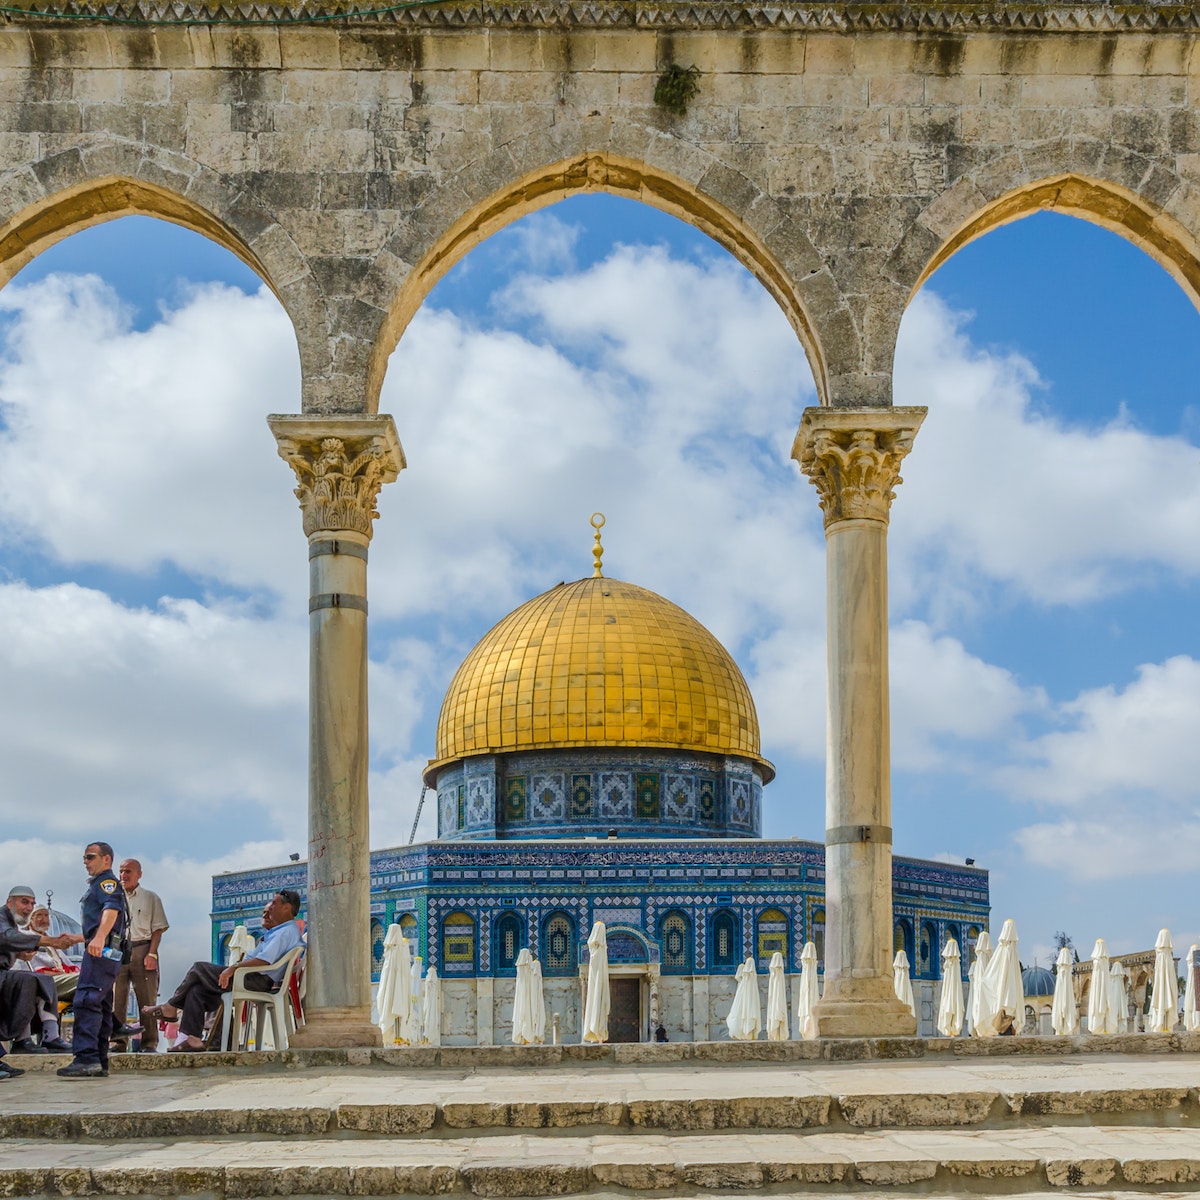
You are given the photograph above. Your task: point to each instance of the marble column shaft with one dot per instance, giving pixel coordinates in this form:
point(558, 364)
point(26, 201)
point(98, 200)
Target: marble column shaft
point(853, 458)
point(341, 464)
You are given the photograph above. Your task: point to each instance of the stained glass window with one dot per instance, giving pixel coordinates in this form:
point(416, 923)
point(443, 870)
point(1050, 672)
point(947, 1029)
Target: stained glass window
point(676, 931)
point(408, 927)
point(647, 797)
point(508, 941)
point(514, 798)
point(458, 942)
point(377, 935)
point(772, 935)
point(558, 945)
point(726, 944)
point(818, 933)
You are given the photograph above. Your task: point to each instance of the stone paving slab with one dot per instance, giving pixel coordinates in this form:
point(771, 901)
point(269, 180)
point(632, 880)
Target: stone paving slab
point(828, 1050)
point(533, 1165)
point(389, 1100)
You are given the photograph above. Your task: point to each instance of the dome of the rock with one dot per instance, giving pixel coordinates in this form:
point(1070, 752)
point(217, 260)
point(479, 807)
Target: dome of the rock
point(598, 663)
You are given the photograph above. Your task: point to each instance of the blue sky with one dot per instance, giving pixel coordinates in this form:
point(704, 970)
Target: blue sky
point(599, 355)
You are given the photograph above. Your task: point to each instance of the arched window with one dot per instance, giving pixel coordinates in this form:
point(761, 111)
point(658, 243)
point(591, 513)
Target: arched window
point(377, 935)
point(224, 947)
point(676, 934)
point(558, 945)
point(972, 938)
point(458, 943)
point(818, 935)
point(772, 936)
point(928, 963)
point(902, 939)
point(510, 938)
point(408, 927)
point(726, 942)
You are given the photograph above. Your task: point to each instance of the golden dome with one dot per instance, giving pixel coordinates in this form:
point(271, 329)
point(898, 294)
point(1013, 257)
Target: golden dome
point(598, 663)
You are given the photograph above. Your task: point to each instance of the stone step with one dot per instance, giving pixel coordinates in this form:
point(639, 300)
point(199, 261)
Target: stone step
point(947, 1162)
point(199, 1117)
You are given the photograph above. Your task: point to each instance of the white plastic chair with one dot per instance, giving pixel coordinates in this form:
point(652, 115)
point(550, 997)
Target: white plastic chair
point(276, 1005)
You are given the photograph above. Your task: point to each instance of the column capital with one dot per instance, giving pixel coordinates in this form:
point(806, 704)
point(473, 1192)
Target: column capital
point(340, 464)
point(853, 456)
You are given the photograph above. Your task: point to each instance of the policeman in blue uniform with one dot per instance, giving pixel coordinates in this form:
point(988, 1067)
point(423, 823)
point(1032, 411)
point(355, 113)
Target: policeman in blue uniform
point(105, 924)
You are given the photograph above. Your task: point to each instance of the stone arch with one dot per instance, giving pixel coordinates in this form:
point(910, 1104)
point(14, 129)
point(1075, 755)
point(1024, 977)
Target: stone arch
point(443, 231)
point(1152, 210)
point(1118, 209)
point(178, 191)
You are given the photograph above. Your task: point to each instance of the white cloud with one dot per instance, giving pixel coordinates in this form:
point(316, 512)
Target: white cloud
point(1122, 745)
point(995, 490)
point(948, 706)
point(134, 449)
point(135, 717)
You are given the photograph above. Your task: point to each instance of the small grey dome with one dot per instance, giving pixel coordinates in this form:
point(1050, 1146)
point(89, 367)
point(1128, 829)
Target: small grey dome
point(1037, 981)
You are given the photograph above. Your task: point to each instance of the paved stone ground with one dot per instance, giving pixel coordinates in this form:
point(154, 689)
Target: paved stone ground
point(945, 1125)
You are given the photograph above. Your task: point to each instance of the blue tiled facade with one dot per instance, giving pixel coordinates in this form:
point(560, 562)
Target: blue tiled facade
point(693, 906)
point(590, 793)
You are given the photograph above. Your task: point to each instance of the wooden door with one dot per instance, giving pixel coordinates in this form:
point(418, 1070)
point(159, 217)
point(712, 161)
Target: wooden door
point(625, 1008)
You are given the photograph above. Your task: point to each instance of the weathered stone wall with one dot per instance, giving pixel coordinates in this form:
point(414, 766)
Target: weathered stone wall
point(352, 165)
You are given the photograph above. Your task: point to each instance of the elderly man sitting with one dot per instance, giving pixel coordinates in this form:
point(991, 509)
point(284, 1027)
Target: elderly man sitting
point(19, 988)
point(201, 989)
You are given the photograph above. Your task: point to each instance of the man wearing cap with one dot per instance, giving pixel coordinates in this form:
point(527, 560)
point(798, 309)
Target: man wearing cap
point(200, 991)
point(105, 926)
point(19, 989)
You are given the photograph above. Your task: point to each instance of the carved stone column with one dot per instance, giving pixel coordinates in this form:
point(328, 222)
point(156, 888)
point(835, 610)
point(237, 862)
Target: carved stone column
point(341, 463)
point(853, 457)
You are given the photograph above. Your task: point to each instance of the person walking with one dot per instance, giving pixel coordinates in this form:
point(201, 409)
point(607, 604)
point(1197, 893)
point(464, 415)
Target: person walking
point(147, 923)
point(105, 926)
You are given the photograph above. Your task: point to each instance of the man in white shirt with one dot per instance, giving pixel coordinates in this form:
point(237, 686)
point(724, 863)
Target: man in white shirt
point(147, 924)
point(199, 993)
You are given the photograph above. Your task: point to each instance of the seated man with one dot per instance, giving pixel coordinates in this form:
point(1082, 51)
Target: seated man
point(19, 989)
point(202, 987)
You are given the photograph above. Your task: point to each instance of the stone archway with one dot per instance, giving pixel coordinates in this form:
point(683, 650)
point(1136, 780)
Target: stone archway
point(445, 244)
point(1121, 210)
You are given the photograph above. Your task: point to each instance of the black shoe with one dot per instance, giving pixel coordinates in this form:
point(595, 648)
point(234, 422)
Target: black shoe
point(78, 1070)
point(26, 1046)
point(57, 1046)
point(124, 1031)
point(7, 1072)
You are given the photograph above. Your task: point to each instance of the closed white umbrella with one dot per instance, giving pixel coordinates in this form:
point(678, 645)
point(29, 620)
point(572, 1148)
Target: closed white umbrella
point(1164, 987)
point(393, 1000)
point(1005, 994)
point(523, 1002)
point(595, 1008)
point(1064, 1012)
point(416, 1009)
point(431, 1009)
point(1100, 1017)
point(745, 1016)
point(901, 981)
point(539, 1004)
point(240, 944)
point(1191, 1020)
point(777, 1014)
point(806, 1005)
point(951, 1009)
point(977, 1015)
point(1118, 1001)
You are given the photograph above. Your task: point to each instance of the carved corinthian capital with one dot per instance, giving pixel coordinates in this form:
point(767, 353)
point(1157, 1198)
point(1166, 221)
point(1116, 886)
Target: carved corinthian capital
point(340, 464)
point(853, 457)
